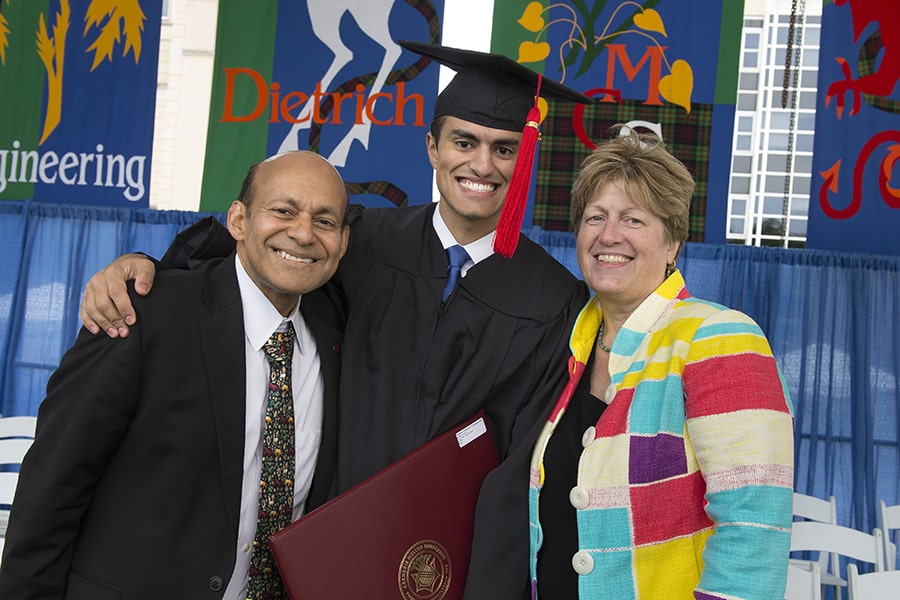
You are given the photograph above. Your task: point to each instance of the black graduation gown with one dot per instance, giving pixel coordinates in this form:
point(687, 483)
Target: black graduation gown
point(412, 368)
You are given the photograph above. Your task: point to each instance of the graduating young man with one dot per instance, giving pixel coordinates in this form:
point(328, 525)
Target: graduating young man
point(428, 344)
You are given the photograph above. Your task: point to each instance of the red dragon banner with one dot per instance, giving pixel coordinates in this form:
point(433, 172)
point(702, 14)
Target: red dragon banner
point(855, 195)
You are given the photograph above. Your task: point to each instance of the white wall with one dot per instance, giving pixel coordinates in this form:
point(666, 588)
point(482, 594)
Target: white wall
point(187, 44)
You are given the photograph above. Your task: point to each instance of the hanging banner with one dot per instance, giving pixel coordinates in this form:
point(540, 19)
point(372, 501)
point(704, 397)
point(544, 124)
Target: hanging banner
point(855, 192)
point(664, 66)
point(77, 100)
point(327, 76)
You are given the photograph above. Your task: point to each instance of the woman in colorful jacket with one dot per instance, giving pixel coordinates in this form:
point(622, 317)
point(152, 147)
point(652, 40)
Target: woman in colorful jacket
point(665, 470)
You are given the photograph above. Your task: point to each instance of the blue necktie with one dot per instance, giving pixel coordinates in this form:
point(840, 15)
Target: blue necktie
point(458, 257)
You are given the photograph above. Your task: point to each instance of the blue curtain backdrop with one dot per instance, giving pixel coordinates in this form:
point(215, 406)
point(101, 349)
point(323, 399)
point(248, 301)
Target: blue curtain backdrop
point(833, 321)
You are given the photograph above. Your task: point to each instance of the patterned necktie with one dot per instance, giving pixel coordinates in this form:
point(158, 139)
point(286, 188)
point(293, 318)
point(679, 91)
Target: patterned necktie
point(276, 484)
point(458, 257)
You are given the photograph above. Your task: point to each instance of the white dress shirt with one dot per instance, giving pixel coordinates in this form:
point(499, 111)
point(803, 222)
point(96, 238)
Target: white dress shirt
point(261, 320)
point(478, 250)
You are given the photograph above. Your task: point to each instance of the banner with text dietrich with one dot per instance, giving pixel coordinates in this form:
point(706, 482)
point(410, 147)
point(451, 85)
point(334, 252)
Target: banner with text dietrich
point(77, 100)
point(327, 76)
point(855, 192)
point(666, 66)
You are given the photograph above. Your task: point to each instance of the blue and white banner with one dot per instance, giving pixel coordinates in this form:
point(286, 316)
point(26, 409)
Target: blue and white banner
point(78, 81)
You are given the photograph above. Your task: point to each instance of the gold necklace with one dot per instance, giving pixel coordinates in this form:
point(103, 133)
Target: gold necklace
point(600, 337)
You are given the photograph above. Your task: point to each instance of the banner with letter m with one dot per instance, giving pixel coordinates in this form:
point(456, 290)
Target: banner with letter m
point(663, 66)
point(77, 100)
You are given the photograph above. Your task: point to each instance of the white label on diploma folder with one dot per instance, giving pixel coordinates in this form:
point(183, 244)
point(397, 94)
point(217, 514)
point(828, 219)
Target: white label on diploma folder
point(471, 433)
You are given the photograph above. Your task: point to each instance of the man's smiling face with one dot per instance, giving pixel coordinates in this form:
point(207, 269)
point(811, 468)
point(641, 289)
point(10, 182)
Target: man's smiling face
point(291, 232)
point(473, 166)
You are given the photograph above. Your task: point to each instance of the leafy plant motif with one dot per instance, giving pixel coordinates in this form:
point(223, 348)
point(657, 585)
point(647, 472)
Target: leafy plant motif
point(52, 52)
point(113, 19)
point(676, 87)
point(4, 34)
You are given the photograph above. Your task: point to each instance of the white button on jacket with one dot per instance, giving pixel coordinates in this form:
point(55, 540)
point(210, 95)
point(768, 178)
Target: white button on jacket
point(610, 393)
point(579, 498)
point(589, 434)
point(583, 562)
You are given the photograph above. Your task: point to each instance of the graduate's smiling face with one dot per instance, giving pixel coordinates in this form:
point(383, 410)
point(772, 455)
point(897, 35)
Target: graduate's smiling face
point(290, 229)
point(473, 166)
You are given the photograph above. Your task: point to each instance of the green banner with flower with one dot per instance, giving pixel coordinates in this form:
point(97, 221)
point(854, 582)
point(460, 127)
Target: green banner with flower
point(660, 65)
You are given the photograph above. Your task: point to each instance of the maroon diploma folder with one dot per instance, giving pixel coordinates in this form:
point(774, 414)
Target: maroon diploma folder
point(404, 533)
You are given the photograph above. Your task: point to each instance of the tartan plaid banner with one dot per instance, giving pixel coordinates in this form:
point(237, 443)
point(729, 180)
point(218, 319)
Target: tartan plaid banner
point(561, 153)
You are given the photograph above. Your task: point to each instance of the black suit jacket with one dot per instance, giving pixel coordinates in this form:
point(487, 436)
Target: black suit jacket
point(132, 488)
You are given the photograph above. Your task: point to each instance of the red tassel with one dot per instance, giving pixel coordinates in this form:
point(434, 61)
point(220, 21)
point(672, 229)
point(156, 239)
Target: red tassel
point(510, 224)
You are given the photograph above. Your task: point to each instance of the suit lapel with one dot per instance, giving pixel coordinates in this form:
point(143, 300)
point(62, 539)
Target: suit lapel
point(222, 340)
point(321, 317)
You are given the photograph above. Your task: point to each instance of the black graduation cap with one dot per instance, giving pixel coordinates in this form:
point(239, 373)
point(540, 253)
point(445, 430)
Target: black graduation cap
point(495, 91)
point(490, 89)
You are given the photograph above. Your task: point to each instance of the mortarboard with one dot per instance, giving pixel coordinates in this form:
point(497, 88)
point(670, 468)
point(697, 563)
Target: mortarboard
point(495, 91)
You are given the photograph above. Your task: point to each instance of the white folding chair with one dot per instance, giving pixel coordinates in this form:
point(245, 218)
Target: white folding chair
point(16, 436)
point(889, 521)
point(17, 427)
point(844, 541)
point(816, 509)
point(812, 508)
point(804, 581)
point(881, 585)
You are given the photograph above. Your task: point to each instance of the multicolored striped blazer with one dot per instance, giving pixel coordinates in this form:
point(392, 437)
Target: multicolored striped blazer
point(685, 482)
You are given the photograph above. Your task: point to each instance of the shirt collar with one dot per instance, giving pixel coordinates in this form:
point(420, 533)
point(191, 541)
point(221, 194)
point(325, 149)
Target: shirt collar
point(261, 318)
point(478, 250)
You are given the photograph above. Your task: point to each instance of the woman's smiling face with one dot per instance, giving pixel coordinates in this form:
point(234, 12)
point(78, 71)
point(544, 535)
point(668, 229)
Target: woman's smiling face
point(622, 249)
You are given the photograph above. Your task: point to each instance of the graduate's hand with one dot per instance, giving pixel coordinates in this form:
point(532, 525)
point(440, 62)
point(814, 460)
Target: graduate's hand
point(106, 304)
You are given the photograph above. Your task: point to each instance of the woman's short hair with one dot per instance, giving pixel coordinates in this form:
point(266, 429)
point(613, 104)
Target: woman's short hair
point(649, 174)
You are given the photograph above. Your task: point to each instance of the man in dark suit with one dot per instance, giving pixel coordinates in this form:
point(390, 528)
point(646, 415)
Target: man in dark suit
point(143, 480)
